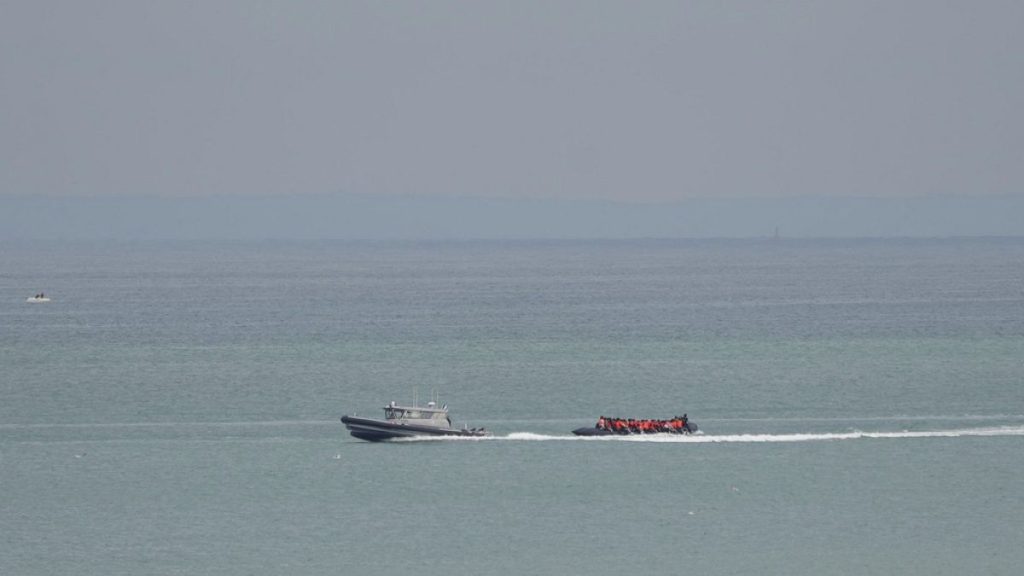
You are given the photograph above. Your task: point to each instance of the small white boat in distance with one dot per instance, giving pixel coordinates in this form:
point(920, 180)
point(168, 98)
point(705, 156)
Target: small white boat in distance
point(38, 298)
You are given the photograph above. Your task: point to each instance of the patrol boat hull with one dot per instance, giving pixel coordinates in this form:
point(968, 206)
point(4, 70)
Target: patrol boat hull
point(375, 430)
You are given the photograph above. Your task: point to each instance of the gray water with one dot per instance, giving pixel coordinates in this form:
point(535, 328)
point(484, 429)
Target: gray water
point(174, 409)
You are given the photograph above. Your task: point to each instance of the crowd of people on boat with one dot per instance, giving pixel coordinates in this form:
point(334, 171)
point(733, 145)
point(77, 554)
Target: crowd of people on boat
point(675, 425)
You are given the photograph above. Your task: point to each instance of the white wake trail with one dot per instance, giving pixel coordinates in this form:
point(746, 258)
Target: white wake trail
point(752, 438)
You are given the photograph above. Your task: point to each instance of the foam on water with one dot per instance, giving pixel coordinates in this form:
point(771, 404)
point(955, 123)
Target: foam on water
point(792, 437)
point(324, 428)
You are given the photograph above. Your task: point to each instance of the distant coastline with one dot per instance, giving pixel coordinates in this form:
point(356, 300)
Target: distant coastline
point(366, 217)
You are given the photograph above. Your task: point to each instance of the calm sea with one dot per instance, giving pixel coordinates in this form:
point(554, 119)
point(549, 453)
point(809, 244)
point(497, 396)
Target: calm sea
point(174, 409)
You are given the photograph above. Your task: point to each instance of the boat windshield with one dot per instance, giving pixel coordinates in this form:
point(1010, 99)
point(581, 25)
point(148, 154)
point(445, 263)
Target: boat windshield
point(395, 413)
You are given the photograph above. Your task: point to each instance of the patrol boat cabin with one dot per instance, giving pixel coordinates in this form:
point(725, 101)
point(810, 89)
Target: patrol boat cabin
point(429, 415)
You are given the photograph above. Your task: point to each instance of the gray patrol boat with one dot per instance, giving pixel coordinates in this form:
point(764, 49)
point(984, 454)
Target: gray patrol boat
point(406, 422)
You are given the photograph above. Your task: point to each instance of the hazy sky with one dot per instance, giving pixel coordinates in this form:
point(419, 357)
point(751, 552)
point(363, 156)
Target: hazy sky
point(650, 101)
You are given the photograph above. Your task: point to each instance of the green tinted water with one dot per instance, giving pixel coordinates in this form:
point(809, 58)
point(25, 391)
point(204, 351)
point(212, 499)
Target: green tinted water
point(174, 409)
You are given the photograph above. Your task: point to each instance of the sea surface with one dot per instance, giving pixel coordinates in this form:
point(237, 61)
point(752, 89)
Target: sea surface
point(174, 409)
